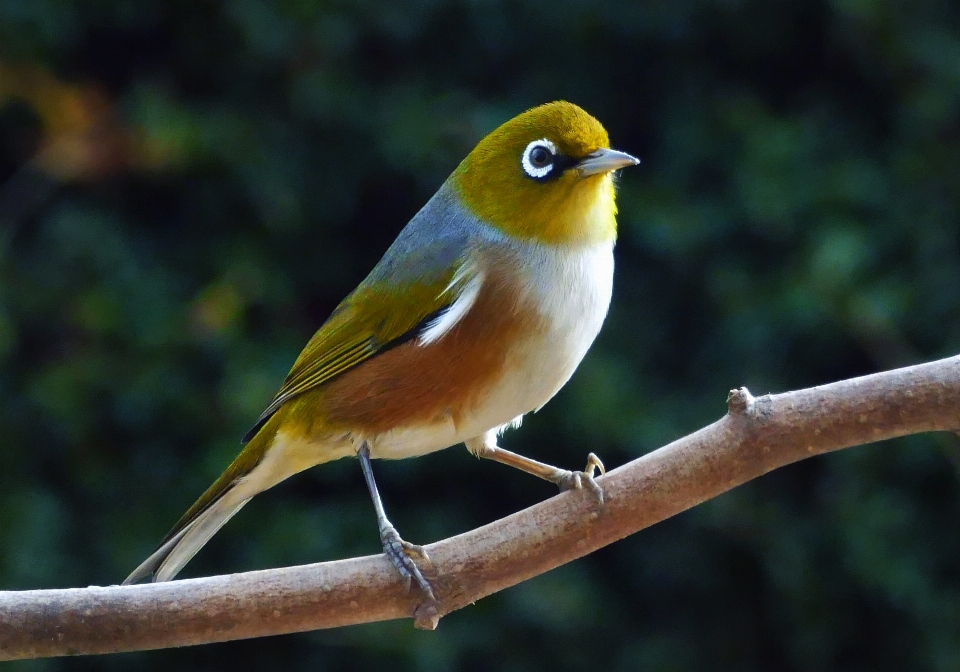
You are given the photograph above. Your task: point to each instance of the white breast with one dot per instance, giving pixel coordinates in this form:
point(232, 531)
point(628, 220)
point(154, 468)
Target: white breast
point(571, 289)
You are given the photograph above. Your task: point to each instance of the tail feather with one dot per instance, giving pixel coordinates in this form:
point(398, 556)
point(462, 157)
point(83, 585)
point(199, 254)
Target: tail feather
point(173, 554)
point(207, 515)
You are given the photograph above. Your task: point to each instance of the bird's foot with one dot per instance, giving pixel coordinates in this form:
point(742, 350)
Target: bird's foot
point(401, 554)
point(575, 480)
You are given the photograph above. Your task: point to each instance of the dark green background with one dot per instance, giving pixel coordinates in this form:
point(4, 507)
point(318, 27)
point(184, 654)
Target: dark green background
point(795, 220)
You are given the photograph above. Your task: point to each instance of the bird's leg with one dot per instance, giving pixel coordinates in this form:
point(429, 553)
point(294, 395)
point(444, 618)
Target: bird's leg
point(395, 548)
point(486, 447)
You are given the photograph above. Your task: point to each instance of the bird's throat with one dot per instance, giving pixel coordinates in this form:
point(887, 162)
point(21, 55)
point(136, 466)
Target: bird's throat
point(577, 212)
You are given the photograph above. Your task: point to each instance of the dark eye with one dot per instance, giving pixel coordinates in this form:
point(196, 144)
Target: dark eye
point(538, 158)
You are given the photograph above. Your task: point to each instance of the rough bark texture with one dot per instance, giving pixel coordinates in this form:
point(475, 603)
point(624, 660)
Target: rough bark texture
point(756, 436)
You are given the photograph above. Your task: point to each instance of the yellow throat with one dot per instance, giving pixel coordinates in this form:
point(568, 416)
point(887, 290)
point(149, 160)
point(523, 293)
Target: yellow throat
point(500, 181)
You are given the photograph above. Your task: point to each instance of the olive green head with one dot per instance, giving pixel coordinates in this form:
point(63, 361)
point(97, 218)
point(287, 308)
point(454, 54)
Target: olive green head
point(545, 175)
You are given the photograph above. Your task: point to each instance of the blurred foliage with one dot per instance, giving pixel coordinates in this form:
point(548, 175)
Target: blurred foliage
point(188, 188)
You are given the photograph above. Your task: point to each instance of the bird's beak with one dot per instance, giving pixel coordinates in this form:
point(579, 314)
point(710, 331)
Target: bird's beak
point(603, 161)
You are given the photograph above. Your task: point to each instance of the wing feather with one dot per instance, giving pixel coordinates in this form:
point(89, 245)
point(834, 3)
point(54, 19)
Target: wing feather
point(368, 322)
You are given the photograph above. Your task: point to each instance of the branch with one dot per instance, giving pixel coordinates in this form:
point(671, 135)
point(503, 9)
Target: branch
point(756, 436)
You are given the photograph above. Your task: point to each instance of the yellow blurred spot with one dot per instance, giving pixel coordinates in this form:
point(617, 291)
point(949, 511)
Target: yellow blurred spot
point(216, 309)
point(84, 136)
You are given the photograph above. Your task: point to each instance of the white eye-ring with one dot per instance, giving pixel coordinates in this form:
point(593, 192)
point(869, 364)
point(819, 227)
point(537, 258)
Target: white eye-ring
point(537, 159)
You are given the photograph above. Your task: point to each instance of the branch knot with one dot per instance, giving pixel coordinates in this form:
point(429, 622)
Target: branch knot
point(739, 401)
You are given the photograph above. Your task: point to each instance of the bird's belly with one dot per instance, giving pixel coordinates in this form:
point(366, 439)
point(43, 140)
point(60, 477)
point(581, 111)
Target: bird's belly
point(536, 377)
point(541, 367)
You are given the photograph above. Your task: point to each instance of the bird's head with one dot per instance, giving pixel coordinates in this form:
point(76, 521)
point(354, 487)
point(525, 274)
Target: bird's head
point(546, 176)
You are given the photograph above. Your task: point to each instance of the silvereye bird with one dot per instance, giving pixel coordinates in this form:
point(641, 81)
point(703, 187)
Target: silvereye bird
point(477, 314)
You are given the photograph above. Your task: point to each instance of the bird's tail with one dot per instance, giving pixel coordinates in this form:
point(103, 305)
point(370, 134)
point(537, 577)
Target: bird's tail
point(165, 562)
point(207, 515)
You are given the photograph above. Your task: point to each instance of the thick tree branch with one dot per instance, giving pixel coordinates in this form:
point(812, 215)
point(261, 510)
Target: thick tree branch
point(756, 436)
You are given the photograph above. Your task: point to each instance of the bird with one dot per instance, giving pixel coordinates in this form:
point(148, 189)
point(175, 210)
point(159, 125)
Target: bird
point(476, 315)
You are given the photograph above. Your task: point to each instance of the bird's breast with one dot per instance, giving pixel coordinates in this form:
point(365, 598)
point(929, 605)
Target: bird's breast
point(569, 291)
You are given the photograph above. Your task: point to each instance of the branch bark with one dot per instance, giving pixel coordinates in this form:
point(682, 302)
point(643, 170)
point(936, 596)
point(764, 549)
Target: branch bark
point(756, 436)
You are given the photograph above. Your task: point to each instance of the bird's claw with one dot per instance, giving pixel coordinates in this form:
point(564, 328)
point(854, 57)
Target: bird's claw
point(401, 554)
point(575, 480)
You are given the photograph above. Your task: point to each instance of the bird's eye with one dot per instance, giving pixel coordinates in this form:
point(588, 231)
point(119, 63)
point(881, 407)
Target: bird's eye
point(538, 157)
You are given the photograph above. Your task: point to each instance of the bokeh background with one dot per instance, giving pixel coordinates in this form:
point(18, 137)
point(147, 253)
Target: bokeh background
point(189, 188)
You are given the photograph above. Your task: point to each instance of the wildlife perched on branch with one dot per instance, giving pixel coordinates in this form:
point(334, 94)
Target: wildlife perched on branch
point(477, 314)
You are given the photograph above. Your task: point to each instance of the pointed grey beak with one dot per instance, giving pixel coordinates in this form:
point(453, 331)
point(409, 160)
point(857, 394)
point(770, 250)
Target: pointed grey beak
point(603, 161)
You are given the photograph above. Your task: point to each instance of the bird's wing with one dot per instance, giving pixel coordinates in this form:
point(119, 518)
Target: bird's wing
point(405, 295)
